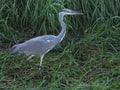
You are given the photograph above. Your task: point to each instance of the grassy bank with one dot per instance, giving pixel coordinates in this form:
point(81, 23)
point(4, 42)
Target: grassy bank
point(87, 59)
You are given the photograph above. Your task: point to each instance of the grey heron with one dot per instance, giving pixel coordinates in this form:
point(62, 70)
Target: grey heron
point(43, 44)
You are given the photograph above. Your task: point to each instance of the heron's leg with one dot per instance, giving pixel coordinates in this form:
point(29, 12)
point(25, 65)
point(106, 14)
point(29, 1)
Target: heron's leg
point(41, 59)
point(27, 61)
point(30, 57)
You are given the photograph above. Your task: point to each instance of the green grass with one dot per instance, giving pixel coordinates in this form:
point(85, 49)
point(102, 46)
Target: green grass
point(87, 59)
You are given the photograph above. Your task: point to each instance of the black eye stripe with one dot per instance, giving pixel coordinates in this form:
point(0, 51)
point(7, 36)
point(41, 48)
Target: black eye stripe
point(66, 10)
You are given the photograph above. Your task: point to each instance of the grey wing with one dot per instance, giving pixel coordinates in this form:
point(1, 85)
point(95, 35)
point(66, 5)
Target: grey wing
point(39, 45)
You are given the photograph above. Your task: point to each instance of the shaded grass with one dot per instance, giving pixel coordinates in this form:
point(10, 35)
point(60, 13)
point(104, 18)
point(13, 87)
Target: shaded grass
point(87, 58)
point(97, 71)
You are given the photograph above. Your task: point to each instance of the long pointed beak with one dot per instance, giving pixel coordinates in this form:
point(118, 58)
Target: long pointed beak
point(76, 13)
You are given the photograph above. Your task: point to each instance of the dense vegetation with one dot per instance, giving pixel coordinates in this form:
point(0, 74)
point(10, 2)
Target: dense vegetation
point(87, 59)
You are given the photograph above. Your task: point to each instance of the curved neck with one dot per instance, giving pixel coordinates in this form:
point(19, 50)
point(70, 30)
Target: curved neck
point(63, 31)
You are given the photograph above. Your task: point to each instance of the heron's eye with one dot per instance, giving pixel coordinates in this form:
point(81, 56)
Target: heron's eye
point(65, 10)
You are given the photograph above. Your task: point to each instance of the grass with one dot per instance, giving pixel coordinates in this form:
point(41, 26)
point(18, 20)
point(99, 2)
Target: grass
point(87, 59)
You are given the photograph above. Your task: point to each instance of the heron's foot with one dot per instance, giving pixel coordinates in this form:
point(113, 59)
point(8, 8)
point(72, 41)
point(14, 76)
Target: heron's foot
point(41, 68)
point(26, 61)
point(31, 64)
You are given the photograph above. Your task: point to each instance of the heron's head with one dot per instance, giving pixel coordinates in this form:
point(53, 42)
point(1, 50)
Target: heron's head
point(66, 11)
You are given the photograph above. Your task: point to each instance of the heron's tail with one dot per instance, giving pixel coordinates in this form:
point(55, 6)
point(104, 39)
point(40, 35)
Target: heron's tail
point(13, 50)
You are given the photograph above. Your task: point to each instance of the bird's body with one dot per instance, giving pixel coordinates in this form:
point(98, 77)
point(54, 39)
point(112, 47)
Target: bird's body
point(43, 44)
point(39, 45)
